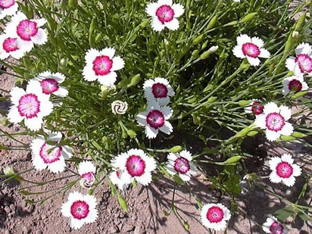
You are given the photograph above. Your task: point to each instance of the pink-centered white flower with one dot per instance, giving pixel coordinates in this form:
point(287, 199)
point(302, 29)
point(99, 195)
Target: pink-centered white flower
point(102, 66)
point(50, 83)
point(30, 105)
point(164, 14)
point(49, 156)
point(81, 209)
point(302, 63)
point(86, 170)
point(251, 49)
point(294, 83)
point(284, 170)
point(135, 165)
point(7, 7)
point(215, 216)
point(155, 119)
point(254, 107)
point(158, 90)
point(28, 32)
point(274, 121)
point(115, 178)
point(181, 164)
point(10, 47)
point(273, 226)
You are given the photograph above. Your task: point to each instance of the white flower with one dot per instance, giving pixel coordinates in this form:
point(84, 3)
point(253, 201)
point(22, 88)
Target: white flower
point(135, 164)
point(154, 119)
point(274, 120)
point(81, 209)
point(284, 170)
point(30, 106)
point(10, 47)
point(272, 226)
point(27, 31)
point(115, 178)
point(215, 216)
point(50, 156)
point(181, 164)
point(302, 63)
point(86, 170)
point(254, 107)
point(158, 90)
point(250, 48)
point(50, 83)
point(164, 14)
point(119, 107)
point(294, 83)
point(7, 7)
point(102, 66)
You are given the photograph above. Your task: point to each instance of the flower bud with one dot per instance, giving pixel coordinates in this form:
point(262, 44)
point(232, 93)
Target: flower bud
point(212, 22)
point(198, 39)
point(248, 17)
point(122, 203)
point(119, 107)
point(176, 149)
point(134, 80)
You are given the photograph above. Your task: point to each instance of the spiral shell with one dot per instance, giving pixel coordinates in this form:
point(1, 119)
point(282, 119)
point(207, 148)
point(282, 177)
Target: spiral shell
point(119, 107)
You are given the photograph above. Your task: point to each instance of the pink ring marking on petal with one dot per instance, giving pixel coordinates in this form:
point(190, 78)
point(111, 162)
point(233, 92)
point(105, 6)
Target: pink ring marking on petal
point(276, 228)
point(275, 122)
point(305, 63)
point(165, 14)
point(50, 154)
point(135, 166)
point(10, 45)
point(102, 65)
point(284, 170)
point(49, 85)
point(27, 29)
point(159, 90)
point(251, 50)
point(29, 106)
point(155, 119)
point(257, 108)
point(5, 4)
point(181, 165)
point(89, 176)
point(79, 209)
point(215, 214)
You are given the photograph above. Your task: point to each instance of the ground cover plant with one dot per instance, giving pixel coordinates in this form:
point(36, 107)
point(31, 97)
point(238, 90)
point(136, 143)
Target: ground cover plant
point(112, 86)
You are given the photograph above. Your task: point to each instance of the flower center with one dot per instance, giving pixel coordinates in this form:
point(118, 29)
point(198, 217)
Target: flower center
point(181, 165)
point(79, 209)
point(257, 108)
point(165, 13)
point(102, 65)
point(49, 86)
point(276, 228)
point(304, 62)
point(10, 44)
point(155, 119)
point(50, 153)
point(89, 176)
point(135, 165)
point(275, 121)
point(251, 50)
point(295, 85)
point(29, 106)
point(215, 214)
point(159, 90)
point(5, 4)
point(27, 29)
point(284, 170)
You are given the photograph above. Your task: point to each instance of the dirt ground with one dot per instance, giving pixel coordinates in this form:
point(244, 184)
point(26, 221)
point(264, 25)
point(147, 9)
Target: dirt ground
point(146, 204)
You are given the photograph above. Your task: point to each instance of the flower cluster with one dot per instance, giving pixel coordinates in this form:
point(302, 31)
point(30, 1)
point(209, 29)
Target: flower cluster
point(21, 34)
